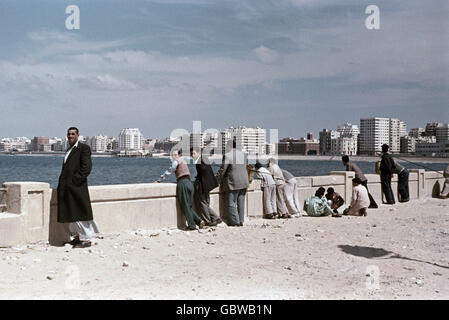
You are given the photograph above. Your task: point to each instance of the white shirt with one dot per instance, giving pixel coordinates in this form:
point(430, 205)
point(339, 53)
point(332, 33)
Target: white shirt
point(360, 198)
point(70, 150)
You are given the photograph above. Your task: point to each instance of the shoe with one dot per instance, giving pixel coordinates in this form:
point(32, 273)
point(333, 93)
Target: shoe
point(74, 241)
point(268, 216)
point(286, 216)
point(373, 206)
point(217, 222)
point(202, 224)
point(83, 244)
point(405, 200)
point(391, 202)
point(240, 224)
point(336, 215)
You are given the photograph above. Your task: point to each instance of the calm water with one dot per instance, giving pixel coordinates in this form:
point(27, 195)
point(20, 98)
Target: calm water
point(146, 170)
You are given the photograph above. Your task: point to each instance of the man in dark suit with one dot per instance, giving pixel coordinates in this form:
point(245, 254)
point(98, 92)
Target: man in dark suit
point(386, 171)
point(74, 207)
point(205, 182)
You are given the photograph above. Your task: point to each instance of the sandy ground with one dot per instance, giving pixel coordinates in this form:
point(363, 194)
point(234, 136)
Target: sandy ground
point(399, 252)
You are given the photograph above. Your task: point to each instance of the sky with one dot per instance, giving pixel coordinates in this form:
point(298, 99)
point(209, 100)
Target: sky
point(293, 65)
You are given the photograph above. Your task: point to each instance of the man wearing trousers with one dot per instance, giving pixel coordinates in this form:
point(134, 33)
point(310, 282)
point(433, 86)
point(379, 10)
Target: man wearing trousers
point(74, 207)
point(184, 189)
point(205, 182)
point(269, 191)
point(233, 177)
point(351, 166)
point(403, 191)
point(386, 171)
point(280, 188)
point(291, 194)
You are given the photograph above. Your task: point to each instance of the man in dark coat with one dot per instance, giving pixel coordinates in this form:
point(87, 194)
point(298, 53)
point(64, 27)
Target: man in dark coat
point(205, 182)
point(386, 171)
point(74, 207)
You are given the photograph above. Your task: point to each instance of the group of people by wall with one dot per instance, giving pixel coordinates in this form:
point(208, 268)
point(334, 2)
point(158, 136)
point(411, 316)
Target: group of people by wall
point(280, 195)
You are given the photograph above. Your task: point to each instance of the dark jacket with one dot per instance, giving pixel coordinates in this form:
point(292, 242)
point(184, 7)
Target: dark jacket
point(73, 195)
point(205, 176)
point(386, 164)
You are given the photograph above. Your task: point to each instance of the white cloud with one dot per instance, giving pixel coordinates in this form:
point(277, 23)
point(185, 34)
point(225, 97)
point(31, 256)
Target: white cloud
point(267, 55)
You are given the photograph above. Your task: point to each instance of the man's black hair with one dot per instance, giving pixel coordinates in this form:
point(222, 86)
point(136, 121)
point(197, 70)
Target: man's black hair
point(73, 128)
point(258, 165)
point(385, 148)
point(357, 181)
point(345, 159)
point(330, 190)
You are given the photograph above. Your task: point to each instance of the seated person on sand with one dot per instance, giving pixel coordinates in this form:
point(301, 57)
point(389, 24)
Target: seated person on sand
point(334, 199)
point(360, 199)
point(317, 206)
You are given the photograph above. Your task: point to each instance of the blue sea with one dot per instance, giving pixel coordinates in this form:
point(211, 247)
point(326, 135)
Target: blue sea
point(145, 170)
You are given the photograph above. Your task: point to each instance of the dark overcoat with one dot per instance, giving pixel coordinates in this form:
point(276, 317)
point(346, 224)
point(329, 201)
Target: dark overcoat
point(205, 176)
point(73, 194)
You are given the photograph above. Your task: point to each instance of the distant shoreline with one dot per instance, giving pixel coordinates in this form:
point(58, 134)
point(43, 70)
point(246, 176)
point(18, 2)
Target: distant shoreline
point(418, 159)
point(366, 158)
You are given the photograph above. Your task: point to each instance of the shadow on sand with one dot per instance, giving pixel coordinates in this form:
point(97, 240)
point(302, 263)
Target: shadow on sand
point(372, 253)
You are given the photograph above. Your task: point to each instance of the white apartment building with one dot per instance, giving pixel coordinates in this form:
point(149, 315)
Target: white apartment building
point(250, 140)
point(99, 143)
point(344, 146)
point(348, 130)
point(374, 132)
point(130, 139)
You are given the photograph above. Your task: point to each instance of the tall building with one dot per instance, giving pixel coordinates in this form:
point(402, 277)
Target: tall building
point(130, 139)
point(326, 137)
point(416, 132)
point(431, 128)
point(348, 130)
point(344, 146)
point(374, 132)
point(442, 132)
point(408, 144)
point(99, 143)
point(250, 140)
point(41, 144)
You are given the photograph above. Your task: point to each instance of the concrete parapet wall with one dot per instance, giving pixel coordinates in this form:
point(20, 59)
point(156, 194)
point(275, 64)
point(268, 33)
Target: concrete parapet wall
point(32, 206)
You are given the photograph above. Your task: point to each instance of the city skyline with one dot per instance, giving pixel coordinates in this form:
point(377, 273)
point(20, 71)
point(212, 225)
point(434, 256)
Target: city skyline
point(283, 65)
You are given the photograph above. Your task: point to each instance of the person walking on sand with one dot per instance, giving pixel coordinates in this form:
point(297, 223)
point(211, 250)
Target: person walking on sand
point(184, 189)
point(74, 206)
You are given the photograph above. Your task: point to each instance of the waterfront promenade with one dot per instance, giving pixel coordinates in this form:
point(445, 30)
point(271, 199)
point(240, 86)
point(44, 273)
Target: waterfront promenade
point(301, 258)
